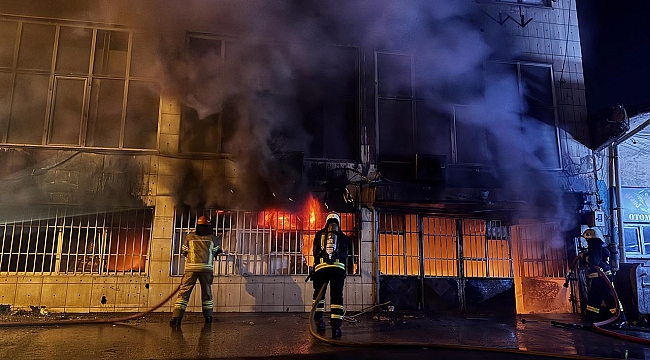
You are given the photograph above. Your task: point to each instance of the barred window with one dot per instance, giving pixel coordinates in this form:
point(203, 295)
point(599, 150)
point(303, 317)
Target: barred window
point(262, 243)
point(414, 245)
point(70, 241)
point(398, 244)
point(541, 250)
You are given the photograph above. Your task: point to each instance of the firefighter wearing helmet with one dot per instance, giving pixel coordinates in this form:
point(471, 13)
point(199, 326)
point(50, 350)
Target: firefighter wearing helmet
point(330, 256)
point(596, 260)
point(199, 248)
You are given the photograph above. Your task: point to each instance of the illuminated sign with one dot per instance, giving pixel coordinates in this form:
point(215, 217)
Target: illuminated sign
point(635, 204)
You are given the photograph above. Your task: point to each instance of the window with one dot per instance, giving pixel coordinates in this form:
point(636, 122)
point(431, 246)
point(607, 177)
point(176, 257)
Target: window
point(73, 241)
point(308, 94)
point(71, 86)
point(485, 246)
point(541, 250)
point(399, 248)
point(440, 247)
point(395, 106)
point(636, 239)
point(534, 134)
point(262, 243)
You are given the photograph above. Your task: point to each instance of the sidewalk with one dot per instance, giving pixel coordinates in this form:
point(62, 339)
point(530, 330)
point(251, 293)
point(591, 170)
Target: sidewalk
point(286, 336)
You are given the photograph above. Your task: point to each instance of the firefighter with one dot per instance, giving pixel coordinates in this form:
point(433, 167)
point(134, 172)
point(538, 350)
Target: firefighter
point(594, 259)
point(330, 256)
point(199, 248)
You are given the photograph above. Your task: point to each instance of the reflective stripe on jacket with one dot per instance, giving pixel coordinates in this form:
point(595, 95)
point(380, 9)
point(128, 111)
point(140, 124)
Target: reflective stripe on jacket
point(200, 251)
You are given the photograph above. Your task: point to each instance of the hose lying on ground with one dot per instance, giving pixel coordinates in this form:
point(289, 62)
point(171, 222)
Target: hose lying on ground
point(322, 338)
point(88, 321)
point(597, 326)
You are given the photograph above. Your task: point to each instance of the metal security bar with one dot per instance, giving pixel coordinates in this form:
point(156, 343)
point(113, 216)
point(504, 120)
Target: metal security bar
point(541, 250)
point(72, 241)
point(440, 247)
point(399, 249)
point(262, 243)
point(485, 247)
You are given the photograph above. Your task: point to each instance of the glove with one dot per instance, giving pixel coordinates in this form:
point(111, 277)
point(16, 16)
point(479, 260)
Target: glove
point(219, 251)
point(311, 274)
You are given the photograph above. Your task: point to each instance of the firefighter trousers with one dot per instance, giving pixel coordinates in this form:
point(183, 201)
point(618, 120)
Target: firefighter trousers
point(335, 277)
point(599, 292)
point(187, 285)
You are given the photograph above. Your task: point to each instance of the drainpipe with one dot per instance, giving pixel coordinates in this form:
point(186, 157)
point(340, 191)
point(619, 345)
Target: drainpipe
point(616, 173)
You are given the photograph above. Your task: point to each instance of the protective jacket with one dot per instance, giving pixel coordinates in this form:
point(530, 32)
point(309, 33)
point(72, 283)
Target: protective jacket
point(597, 257)
point(200, 252)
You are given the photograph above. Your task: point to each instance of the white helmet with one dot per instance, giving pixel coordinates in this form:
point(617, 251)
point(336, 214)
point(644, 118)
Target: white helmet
point(333, 215)
point(593, 233)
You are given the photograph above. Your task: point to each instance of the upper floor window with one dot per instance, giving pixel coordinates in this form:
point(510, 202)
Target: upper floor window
point(76, 86)
point(305, 95)
point(531, 124)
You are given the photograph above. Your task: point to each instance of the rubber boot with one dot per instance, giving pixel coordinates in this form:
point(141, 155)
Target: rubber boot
point(336, 333)
point(320, 324)
point(175, 322)
point(208, 319)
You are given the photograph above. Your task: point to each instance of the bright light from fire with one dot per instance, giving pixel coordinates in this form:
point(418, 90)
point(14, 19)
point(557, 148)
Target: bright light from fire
point(308, 219)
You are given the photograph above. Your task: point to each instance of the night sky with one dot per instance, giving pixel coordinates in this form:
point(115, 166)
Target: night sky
point(615, 39)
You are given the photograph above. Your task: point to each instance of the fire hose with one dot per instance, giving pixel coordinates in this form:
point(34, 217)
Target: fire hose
point(89, 321)
point(597, 326)
point(339, 342)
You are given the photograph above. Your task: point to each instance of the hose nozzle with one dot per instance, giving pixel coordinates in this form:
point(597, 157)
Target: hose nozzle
point(567, 278)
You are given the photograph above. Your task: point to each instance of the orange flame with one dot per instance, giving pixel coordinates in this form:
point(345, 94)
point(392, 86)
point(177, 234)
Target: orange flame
point(308, 219)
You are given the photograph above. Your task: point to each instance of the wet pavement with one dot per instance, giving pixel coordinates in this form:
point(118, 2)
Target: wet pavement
point(286, 336)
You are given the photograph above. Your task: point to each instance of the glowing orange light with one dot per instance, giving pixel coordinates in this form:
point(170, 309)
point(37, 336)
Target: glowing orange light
point(308, 219)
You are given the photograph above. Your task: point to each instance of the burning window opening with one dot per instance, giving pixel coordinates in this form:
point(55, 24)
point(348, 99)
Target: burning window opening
point(63, 242)
point(269, 242)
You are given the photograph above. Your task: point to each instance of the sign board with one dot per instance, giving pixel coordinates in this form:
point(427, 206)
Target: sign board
point(636, 205)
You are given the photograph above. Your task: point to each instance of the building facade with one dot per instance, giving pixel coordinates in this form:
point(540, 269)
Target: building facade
point(451, 138)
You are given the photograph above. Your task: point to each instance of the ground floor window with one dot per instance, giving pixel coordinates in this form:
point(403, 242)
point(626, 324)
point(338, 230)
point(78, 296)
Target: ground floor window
point(262, 242)
point(75, 241)
point(429, 246)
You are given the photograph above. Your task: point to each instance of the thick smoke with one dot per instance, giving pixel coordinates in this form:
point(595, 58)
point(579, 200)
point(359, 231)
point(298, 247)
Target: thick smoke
point(449, 38)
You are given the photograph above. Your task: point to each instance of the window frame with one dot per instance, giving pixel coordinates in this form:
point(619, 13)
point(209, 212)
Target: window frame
point(88, 75)
point(62, 229)
point(520, 86)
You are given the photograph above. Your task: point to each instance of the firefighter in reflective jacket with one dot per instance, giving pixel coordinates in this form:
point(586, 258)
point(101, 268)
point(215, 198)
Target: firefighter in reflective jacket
point(199, 248)
point(330, 256)
point(597, 258)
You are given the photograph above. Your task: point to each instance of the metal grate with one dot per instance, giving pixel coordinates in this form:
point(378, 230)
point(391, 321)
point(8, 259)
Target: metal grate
point(440, 247)
point(484, 248)
point(398, 244)
point(541, 250)
point(262, 243)
point(61, 240)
